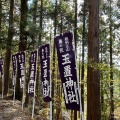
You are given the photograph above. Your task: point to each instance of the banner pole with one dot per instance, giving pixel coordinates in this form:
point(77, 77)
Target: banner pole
point(34, 100)
point(14, 89)
point(33, 105)
point(81, 112)
point(50, 90)
point(50, 107)
point(14, 95)
point(23, 99)
point(24, 82)
point(34, 87)
point(14, 81)
point(50, 80)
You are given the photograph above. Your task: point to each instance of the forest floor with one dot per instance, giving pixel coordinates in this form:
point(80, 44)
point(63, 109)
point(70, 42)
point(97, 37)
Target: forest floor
point(8, 111)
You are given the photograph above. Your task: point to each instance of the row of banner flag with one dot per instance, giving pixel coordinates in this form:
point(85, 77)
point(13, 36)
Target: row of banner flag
point(67, 69)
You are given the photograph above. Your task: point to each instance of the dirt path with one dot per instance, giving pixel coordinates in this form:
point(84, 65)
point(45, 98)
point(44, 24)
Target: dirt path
point(8, 111)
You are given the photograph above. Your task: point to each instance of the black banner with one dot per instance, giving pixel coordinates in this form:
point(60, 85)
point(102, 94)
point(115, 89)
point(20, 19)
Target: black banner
point(1, 66)
point(21, 67)
point(32, 79)
point(67, 68)
point(14, 64)
point(44, 52)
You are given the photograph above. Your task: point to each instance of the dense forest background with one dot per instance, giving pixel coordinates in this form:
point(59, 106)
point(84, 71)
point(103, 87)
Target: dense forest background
point(25, 25)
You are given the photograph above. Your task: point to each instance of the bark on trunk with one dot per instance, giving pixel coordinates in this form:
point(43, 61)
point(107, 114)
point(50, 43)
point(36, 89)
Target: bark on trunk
point(23, 40)
point(53, 64)
point(93, 86)
point(111, 72)
point(8, 49)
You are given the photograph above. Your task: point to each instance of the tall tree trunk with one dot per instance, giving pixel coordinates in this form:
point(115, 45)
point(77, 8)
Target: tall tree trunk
point(75, 24)
point(40, 39)
point(111, 72)
point(39, 43)
point(0, 23)
point(35, 11)
point(23, 23)
point(53, 64)
point(59, 95)
point(0, 14)
point(41, 22)
point(75, 40)
point(33, 38)
point(82, 69)
point(93, 80)
point(23, 40)
point(8, 49)
point(0, 38)
point(101, 76)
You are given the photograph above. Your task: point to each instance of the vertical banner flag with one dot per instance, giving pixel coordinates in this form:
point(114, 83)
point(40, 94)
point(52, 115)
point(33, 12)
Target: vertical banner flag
point(21, 67)
point(44, 52)
point(32, 79)
point(14, 64)
point(1, 66)
point(67, 68)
